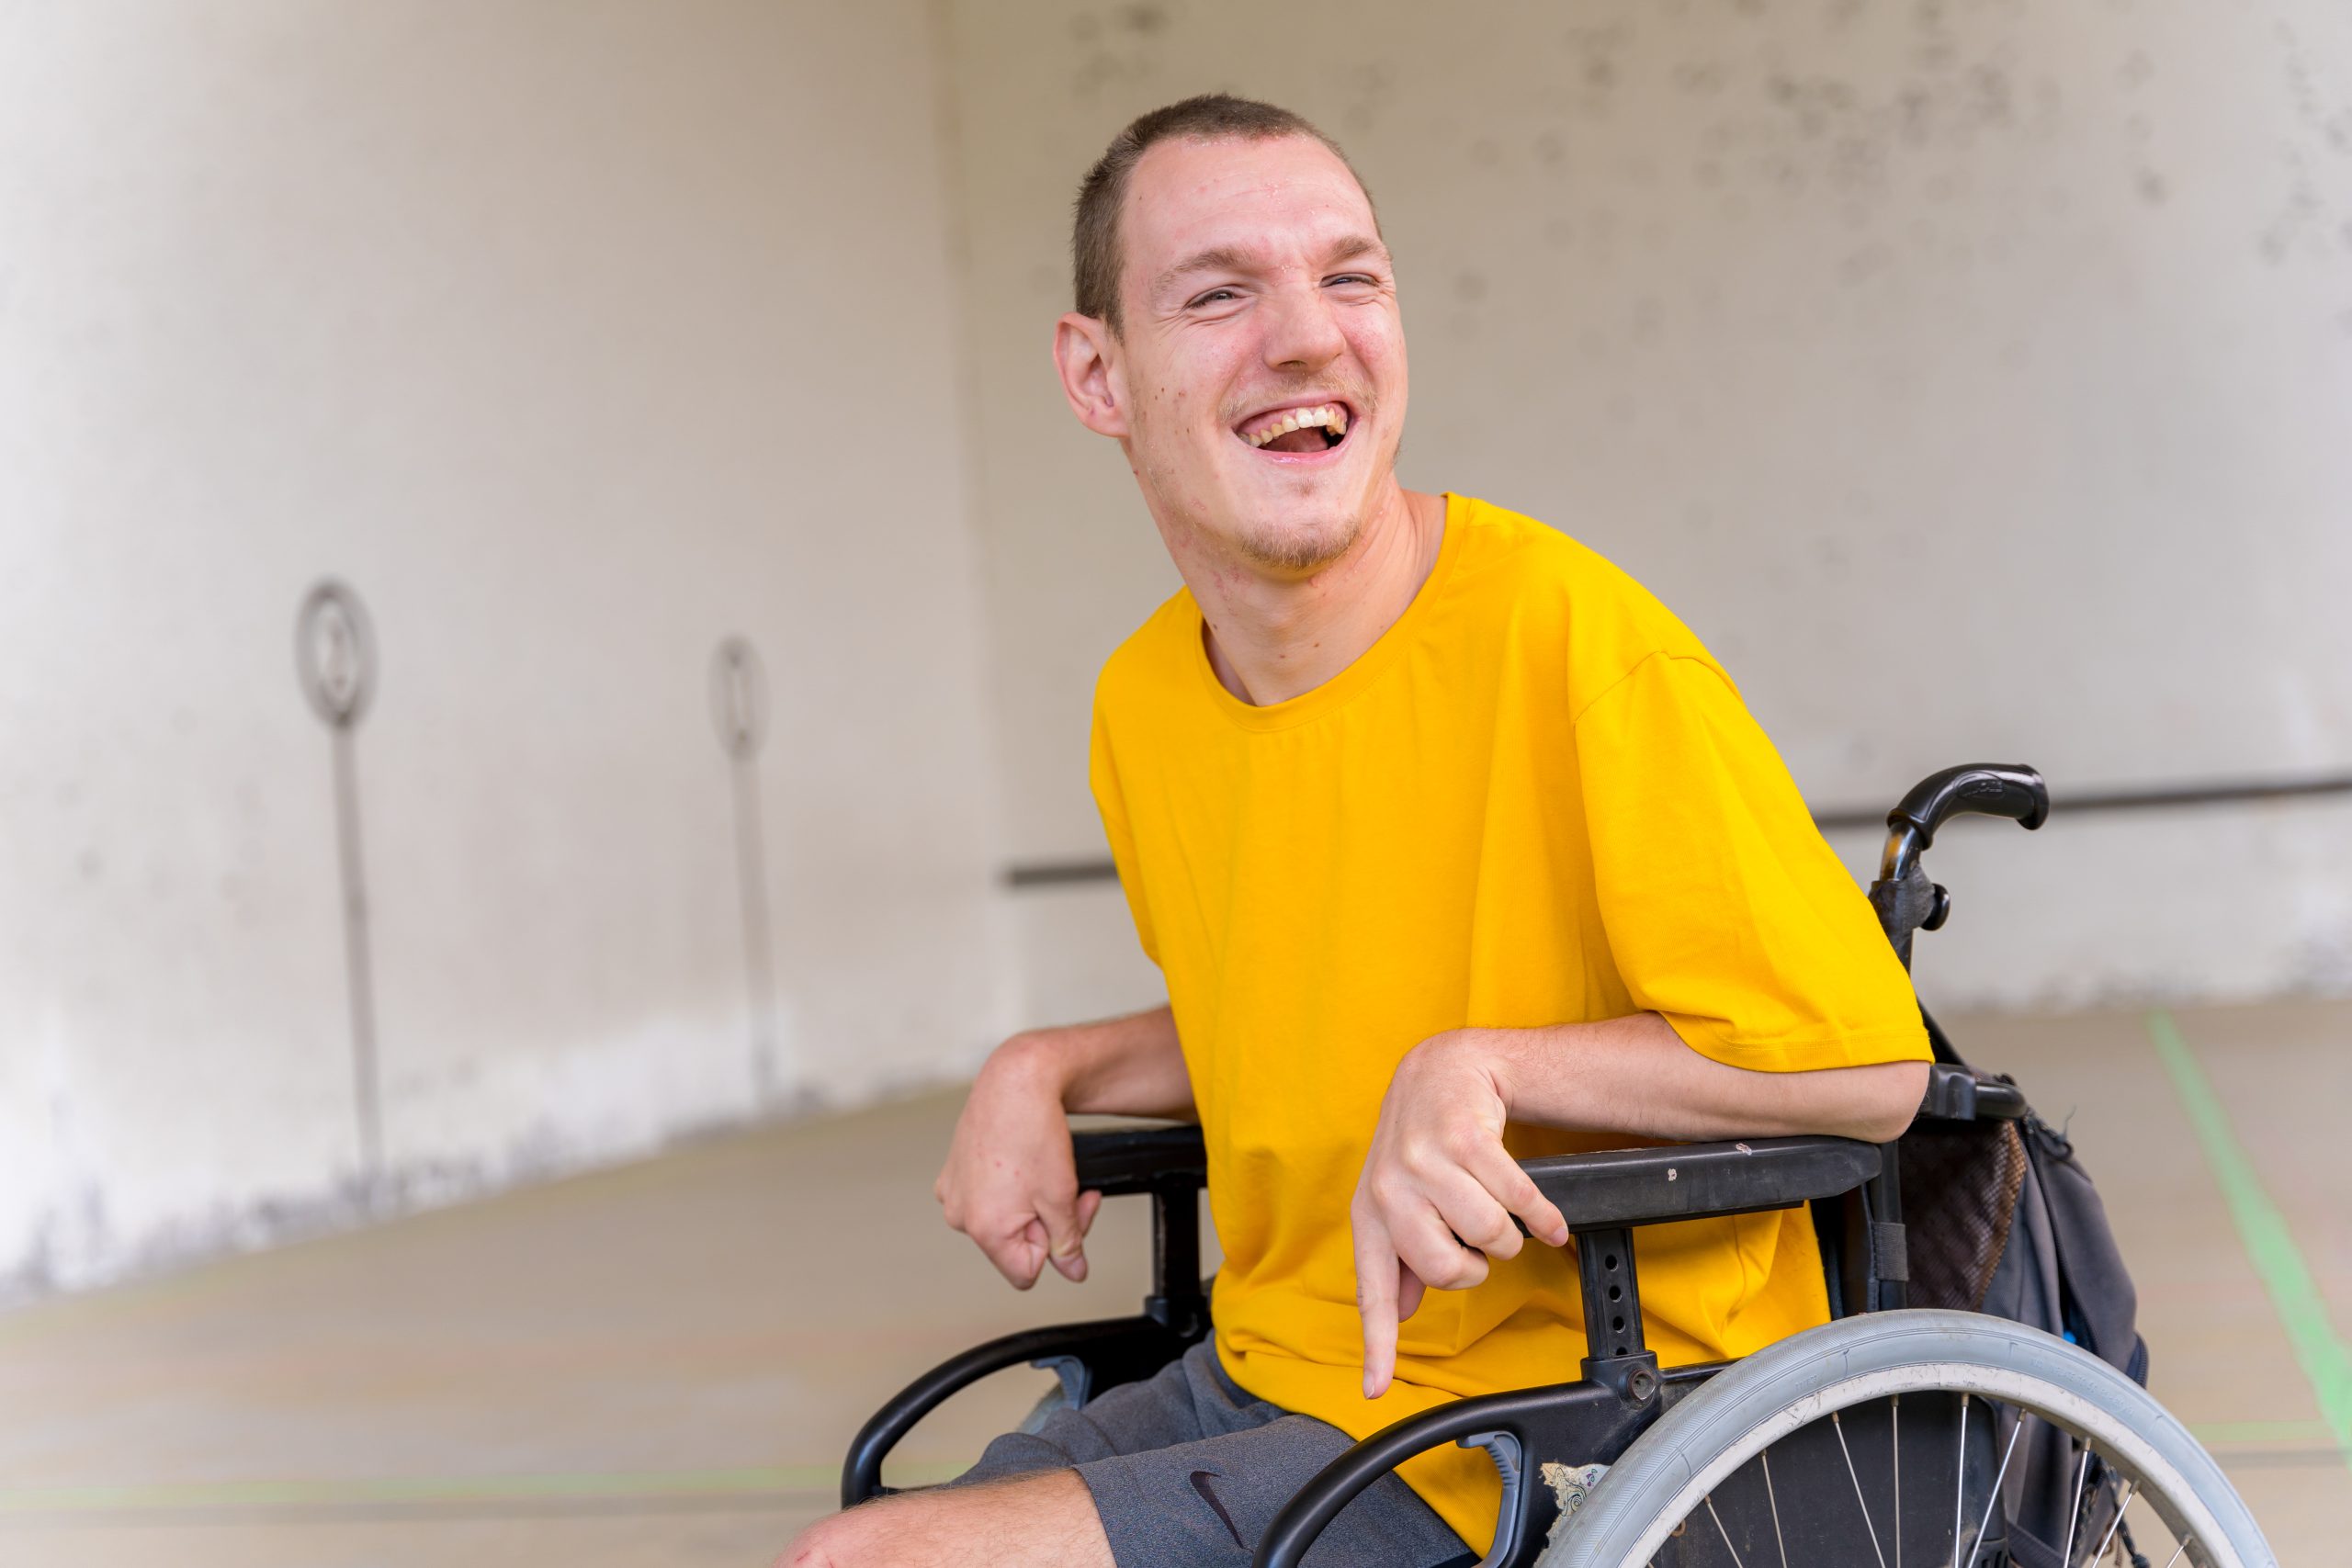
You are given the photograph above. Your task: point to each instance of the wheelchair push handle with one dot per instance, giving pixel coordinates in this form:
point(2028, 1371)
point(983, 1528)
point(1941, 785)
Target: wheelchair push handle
point(1903, 898)
point(1973, 789)
point(1987, 789)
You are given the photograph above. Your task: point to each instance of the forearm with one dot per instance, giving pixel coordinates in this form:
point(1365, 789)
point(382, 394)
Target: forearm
point(1636, 1075)
point(1129, 1065)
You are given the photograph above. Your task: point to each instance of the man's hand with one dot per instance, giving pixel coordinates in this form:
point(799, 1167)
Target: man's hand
point(1010, 1182)
point(1438, 1191)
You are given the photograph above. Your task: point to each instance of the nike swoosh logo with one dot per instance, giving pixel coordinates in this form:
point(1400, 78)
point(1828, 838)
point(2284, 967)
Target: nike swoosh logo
point(1201, 1479)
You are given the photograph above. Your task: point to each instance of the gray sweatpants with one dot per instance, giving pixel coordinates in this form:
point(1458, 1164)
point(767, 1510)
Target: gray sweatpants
point(1187, 1470)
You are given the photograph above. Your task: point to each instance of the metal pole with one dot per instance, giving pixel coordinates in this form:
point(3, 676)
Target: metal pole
point(738, 710)
point(335, 659)
point(359, 969)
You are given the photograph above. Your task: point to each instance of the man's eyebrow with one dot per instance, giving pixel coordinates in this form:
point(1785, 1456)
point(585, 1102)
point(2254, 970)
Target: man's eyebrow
point(1216, 258)
point(1230, 258)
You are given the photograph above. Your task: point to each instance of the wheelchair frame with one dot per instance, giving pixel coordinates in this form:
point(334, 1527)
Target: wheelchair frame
point(1853, 1189)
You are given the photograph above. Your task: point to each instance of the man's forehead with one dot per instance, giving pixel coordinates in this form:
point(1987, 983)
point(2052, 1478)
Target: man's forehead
point(1261, 201)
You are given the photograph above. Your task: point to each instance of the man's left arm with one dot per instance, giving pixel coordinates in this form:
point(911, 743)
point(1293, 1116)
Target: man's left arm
point(1439, 1189)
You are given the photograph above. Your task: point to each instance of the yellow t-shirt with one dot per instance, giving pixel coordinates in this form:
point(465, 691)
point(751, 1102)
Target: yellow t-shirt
point(1534, 800)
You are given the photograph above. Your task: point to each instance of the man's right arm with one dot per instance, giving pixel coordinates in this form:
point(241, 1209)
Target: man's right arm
point(1010, 1182)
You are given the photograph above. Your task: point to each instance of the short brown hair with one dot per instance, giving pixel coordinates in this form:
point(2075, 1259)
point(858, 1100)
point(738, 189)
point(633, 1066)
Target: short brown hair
point(1094, 252)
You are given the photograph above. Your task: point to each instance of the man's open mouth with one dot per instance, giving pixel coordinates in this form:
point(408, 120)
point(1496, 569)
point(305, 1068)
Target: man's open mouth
point(1310, 428)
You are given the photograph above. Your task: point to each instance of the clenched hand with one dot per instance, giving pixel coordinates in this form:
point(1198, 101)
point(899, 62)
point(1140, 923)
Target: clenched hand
point(1010, 1182)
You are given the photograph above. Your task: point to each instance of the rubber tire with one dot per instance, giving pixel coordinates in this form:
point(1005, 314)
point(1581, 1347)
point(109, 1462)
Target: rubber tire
point(1693, 1446)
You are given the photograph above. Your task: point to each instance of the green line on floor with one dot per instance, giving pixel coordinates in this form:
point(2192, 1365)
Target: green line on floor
point(2264, 1231)
point(751, 1481)
point(2212, 1432)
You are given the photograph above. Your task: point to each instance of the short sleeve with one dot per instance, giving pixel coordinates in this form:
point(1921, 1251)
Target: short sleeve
point(1102, 776)
point(1725, 911)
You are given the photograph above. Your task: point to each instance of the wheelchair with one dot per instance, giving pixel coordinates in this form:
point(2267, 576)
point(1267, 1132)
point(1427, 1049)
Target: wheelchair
point(1891, 1433)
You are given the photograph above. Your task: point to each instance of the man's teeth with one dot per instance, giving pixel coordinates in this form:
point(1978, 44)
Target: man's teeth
point(1331, 416)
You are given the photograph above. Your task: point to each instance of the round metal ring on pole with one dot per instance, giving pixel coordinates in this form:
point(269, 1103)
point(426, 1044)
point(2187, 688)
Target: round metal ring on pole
point(738, 697)
point(335, 654)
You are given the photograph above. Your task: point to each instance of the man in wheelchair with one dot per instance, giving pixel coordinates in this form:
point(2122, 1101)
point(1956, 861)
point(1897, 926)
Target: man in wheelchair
point(1455, 846)
point(1455, 849)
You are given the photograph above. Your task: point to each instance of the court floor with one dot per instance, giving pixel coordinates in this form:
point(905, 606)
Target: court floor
point(662, 1363)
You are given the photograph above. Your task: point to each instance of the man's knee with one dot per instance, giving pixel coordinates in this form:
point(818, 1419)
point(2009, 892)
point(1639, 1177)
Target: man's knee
point(1025, 1520)
point(847, 1539)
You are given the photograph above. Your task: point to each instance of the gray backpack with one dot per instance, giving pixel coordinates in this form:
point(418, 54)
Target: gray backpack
point(1996, 1215)
point(2002, 1218)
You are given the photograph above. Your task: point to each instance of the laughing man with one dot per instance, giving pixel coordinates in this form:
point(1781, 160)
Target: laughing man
point(1454, 846)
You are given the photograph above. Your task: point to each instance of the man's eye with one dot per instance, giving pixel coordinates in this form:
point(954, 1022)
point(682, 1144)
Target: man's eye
point(1213, 296)
point(1360, 278)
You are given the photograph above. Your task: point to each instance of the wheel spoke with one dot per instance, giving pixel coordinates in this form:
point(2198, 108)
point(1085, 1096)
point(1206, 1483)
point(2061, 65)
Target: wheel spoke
point(1894, 1439)
point(1959, 1481)
point(1769, 1497)
point(2074, 1516)
point(1840, 1427)
point(2115, 1524)
point(1735, 1562)
point(1994, 1494)
point(2177, 1551)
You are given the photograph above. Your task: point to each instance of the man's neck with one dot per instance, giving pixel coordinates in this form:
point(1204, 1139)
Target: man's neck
point(1271, 638)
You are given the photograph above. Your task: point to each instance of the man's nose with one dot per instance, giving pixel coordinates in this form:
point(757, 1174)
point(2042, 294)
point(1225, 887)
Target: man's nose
point(1302, 330)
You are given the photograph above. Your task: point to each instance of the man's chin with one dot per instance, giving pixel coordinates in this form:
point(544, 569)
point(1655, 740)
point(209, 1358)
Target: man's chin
point(1293, 522)
point(1298, 545)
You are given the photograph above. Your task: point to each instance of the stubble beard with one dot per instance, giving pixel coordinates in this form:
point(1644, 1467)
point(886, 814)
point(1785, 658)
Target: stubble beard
point(1296, 550)
point(1265, 542)
point(1270, 545)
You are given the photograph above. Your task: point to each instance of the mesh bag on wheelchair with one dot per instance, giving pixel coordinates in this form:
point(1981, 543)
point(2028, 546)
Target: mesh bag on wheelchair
point(1960, 1182)
point(2003, 1219)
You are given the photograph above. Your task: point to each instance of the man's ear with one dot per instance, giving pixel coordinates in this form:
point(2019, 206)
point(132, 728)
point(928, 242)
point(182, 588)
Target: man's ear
point(1082, 346)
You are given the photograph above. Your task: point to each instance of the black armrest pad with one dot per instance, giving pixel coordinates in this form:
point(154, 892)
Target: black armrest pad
point(1139, 1159)
point(1960, 1093)
point(1688, 1181)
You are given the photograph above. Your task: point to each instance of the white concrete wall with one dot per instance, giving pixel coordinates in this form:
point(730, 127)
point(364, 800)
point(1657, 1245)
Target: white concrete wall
point(1975, 378)
point(574, 337)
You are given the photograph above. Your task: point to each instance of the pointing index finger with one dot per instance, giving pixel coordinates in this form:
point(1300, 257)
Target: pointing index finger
point(1377, 1282)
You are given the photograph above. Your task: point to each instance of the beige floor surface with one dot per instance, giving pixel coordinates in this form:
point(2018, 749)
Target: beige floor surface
point(660, 1364)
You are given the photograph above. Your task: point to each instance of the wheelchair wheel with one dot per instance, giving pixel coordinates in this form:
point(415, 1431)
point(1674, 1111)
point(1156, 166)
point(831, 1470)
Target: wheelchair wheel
point(1798, 1455)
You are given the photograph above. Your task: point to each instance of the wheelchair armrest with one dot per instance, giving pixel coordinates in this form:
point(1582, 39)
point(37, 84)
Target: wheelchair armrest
point(1960, 1093)
point(1169, 1164)
point(1103, 1354)
point(1617, 1188)
point(1119, 1160)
